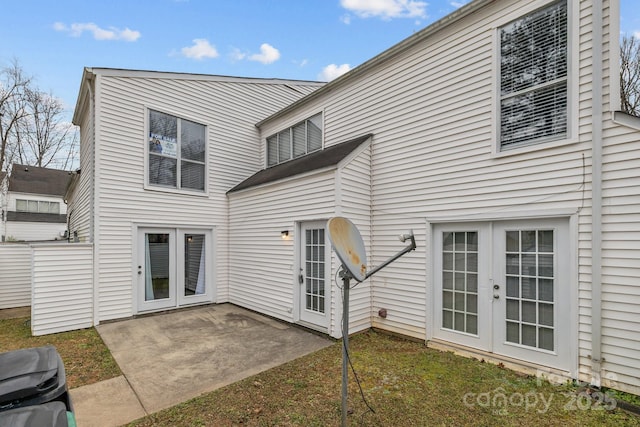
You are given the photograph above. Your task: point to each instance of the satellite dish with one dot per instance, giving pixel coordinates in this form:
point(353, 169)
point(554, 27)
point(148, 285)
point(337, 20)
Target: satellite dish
point(349, 246)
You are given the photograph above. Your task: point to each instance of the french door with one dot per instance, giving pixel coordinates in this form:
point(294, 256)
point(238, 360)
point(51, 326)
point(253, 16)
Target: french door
point(504, 287)
point(174, 268)
point(314, 275)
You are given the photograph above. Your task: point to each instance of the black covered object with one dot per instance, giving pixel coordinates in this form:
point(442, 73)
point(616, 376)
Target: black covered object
point(31, 377)
point(52, 414)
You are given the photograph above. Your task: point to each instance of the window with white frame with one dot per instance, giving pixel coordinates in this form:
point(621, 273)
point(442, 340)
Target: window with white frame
point(533, 77)
point(177, 152)
point(296, 141)
point(37, 206)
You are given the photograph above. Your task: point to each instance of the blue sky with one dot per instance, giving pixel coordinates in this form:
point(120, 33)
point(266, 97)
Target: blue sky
point(296, 39)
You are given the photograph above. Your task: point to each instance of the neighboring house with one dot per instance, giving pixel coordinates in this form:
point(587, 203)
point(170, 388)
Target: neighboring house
point(493, 133)
point(34, 209)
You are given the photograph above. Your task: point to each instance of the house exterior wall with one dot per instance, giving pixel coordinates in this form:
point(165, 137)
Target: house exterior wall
point(620, 254)
point(229, 108)
point(263, 267)
point(29, 231)
point(81, 205)
point(434, 159)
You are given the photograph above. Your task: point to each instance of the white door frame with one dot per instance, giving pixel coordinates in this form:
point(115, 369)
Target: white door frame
point(309, 318)
point(140, 272)
point(177, 297)
point(494, 341)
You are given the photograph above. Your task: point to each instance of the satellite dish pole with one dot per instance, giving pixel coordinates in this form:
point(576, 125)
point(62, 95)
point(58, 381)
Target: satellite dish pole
point(348, 245)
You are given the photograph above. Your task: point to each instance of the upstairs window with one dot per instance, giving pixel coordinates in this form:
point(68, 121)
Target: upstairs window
point(533, 77)
point(296, 141)
point(177, 152)
point(37, 206)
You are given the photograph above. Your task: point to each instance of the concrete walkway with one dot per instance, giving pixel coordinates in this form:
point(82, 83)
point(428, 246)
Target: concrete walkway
point(170, 358)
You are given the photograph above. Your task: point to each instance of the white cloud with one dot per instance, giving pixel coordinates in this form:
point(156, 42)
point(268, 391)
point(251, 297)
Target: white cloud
point(346, 19)
point(112, 33)
point(201, 49)
point(386, 9)
point(457, 3)
point(333, 71)
point(237, 55)
point(268, 54)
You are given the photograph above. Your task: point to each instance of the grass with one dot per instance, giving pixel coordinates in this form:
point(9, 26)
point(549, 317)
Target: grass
point(404, 382)
point(86, 358)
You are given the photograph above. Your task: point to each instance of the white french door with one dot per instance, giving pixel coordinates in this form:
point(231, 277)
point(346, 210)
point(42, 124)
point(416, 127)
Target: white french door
point(504, 287)
point(174, 268)
point(314, 275)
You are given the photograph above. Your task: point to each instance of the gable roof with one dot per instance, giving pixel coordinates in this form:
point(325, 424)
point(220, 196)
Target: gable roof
point(37, 180)
point(294, 88)
point(330, 156)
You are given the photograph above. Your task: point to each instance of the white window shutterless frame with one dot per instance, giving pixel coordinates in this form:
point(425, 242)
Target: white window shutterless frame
point(521, 305)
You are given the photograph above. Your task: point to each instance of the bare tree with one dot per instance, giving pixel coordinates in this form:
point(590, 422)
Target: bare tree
point(13, 83)
point(630, 75)
point(32, 126)
point(42, 137)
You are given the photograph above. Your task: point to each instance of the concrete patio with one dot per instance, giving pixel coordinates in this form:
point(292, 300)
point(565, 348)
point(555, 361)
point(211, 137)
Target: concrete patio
point(170, 358)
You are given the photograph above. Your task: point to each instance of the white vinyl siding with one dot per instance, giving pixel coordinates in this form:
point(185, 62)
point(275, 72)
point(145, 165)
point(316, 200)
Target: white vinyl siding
point(62, 286)
point(429, 110)
point(262, 275)
point(15, 271)
point(80, 210)
point(34, 231)
point(258, 215)
point(228, 107)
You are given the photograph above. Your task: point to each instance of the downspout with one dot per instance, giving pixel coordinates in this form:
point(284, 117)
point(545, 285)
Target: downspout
point(596, 194)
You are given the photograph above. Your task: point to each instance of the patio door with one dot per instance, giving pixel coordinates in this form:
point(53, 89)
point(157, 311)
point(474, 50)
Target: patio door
point(503, 287)
point(314, 300)
point(173, 268)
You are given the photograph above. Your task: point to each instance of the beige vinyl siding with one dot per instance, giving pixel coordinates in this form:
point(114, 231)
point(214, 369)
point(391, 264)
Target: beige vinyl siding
point(229, 109)
point(62, 283)
point(15, 275)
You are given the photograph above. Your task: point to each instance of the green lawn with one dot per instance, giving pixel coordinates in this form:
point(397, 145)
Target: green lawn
point(86, 358)
point(405, 383)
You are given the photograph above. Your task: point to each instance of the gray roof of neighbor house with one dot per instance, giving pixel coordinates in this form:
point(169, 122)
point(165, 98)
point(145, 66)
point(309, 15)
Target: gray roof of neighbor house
point(37, 180)
point(330, 156)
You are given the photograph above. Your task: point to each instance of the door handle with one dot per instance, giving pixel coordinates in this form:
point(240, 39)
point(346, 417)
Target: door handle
point(496, 295)
point(300, 279)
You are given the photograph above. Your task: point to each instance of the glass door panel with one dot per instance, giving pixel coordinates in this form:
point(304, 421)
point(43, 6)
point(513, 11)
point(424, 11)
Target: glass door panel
point(194, 266)
point(313, 274)
point(156, 279)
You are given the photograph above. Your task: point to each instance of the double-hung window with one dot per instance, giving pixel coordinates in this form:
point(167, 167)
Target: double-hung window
point(533, 82)
point(296, 141)
point(177, 152)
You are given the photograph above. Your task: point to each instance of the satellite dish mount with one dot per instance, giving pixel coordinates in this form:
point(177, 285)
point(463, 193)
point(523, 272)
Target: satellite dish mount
point(348, 245)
